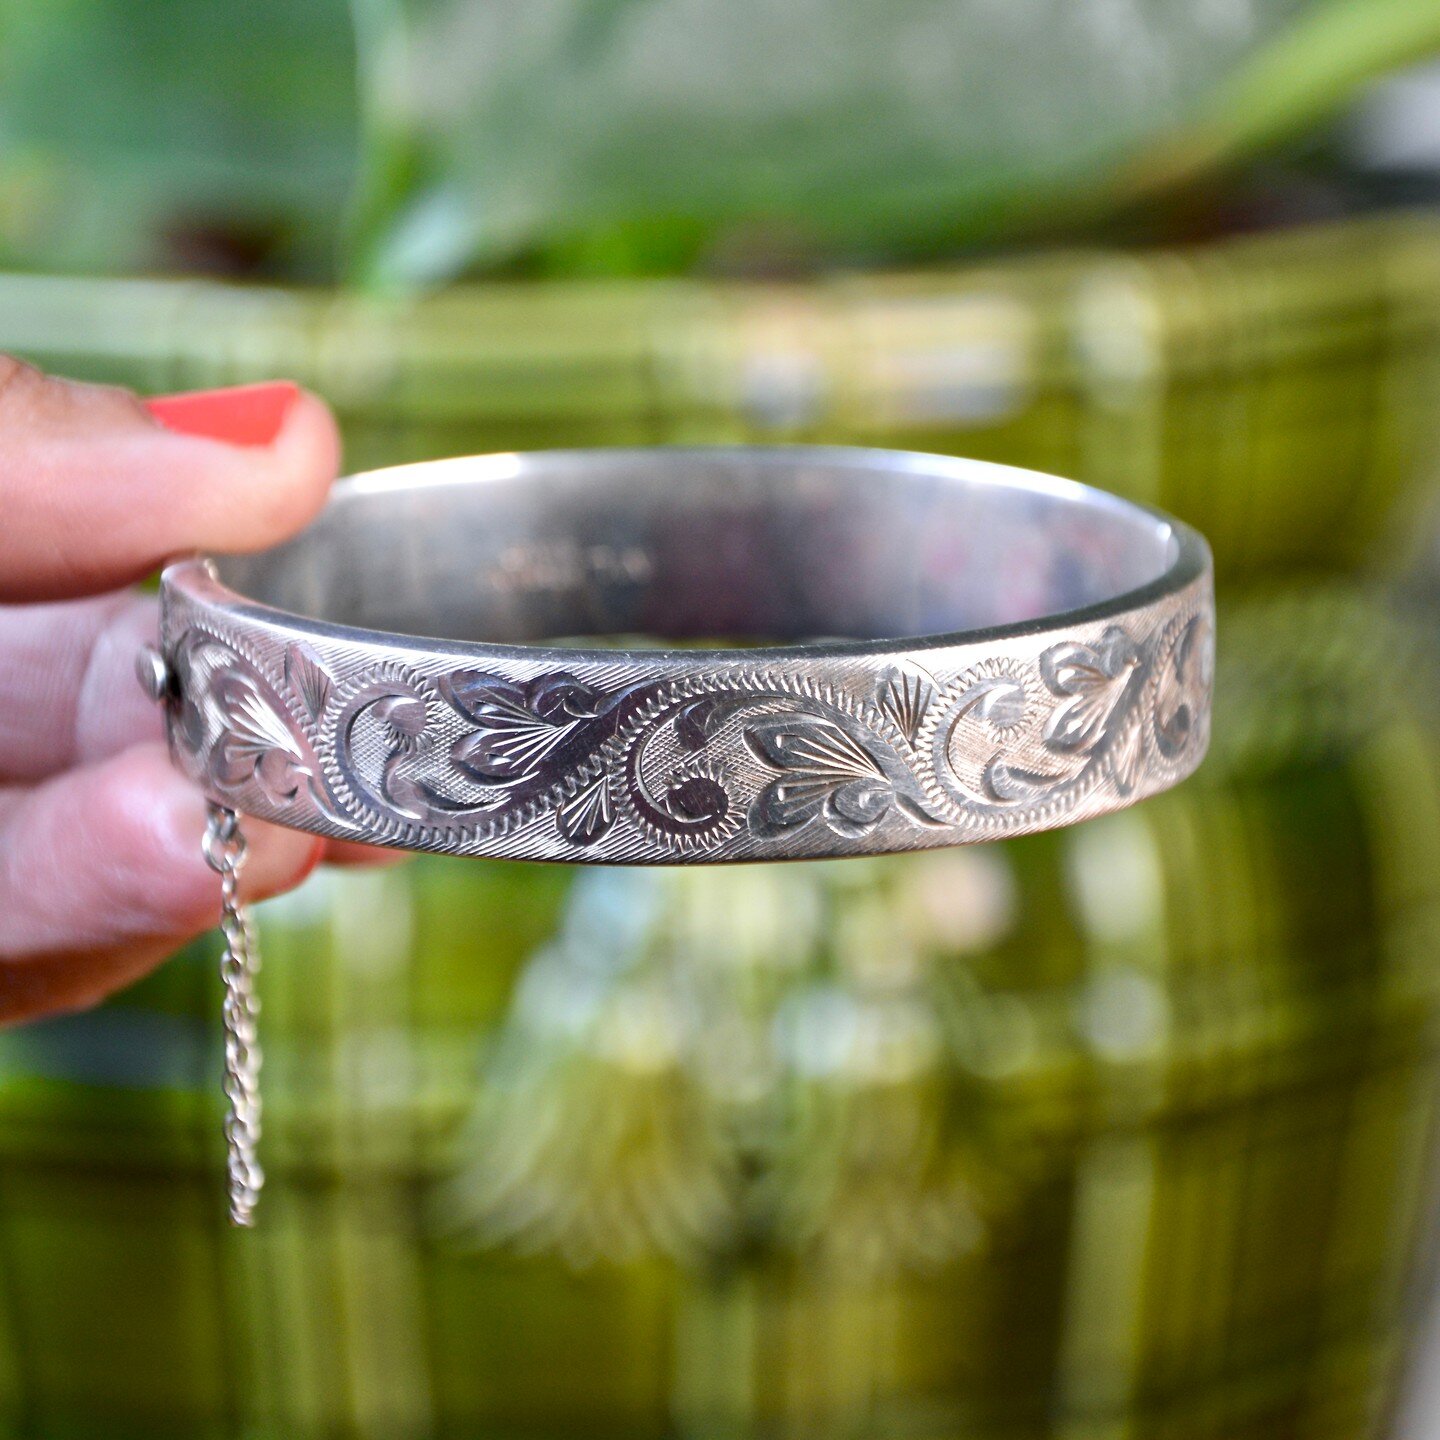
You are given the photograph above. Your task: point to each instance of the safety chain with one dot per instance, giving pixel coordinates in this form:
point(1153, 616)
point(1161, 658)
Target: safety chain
point(224, 847)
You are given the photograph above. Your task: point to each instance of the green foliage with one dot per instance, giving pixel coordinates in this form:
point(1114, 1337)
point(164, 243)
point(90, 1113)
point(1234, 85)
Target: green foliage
point(847, 127)
point(408, 142)
point(165, 134)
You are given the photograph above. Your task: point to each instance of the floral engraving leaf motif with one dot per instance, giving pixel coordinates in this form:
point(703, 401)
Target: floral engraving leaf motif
point(1127, 757)
point(697, 798)
point(585, 817)
point(403, 717)
point(1183, 687)
point(254, 741)
point(825, 773)
point(998, 700)
point(190, 722)
point(511, 748)
point(308, 678)
point(1095, 678)
point(1012, 784)
point(553, 697)
point(519, 725)
point(406, 795)
point(699, 722)
point(903, 695)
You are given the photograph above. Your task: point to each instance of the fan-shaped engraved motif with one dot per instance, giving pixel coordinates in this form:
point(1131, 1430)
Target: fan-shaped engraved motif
point(251, 723)
point(826, 773)
point(903, 695)
point(584, 818)
point(308, 678)
point(807, 744)
point(512, 746)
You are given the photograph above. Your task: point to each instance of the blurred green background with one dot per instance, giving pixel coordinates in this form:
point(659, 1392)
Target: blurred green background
point(1121, 1131)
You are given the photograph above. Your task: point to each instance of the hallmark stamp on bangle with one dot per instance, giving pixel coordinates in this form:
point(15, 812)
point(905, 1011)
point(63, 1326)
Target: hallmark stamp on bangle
point(561, 566)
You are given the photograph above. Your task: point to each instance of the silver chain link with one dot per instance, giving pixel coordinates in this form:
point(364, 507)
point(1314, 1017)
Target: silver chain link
point(224, 847)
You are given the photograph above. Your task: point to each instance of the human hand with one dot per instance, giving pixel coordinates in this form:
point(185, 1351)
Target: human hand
point(101, 874)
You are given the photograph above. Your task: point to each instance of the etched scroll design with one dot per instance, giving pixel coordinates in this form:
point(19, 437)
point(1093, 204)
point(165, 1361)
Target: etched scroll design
point(685, 763)
point(1110, 710)
point(820, 765)
point(255, 741)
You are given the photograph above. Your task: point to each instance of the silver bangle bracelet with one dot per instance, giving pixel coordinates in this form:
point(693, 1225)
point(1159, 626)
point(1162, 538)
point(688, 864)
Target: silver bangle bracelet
point(951, 651)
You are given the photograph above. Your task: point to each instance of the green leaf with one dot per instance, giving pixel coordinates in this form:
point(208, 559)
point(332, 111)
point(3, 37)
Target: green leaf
point(819, 125)
point(135, 133)
point(1311, 70)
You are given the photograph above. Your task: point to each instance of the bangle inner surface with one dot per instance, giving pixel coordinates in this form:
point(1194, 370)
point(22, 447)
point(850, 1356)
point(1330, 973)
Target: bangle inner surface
point(774, 545)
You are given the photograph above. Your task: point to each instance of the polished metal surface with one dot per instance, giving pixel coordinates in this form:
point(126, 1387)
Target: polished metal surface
point(918, 651)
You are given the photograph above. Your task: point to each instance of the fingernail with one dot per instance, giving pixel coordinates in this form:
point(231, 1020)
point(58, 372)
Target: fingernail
point(238, 415)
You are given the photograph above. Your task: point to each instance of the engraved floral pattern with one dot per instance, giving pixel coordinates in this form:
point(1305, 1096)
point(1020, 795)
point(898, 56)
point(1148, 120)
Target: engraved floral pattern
point(254, 741)
point(1183, 691)
point(589, 815)
point(1094, 679)
point(520, 727)
point(825, 774)
point(473, 758)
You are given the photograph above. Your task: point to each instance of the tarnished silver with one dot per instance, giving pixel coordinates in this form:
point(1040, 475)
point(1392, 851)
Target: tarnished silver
point(948, 651)
point(224, 850)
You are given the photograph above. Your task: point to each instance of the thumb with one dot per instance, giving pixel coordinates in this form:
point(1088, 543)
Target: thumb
point(98, 488)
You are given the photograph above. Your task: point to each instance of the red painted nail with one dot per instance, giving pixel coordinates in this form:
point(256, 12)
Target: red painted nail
point(238, 415)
